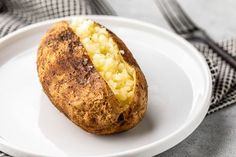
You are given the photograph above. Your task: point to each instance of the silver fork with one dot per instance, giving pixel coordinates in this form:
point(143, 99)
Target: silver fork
point(185, 27)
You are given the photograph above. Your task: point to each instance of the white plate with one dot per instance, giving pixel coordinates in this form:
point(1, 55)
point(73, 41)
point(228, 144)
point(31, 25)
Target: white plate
point(179, 94)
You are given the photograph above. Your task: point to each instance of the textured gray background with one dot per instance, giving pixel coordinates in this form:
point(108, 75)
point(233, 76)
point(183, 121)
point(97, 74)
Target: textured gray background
point(216, 136)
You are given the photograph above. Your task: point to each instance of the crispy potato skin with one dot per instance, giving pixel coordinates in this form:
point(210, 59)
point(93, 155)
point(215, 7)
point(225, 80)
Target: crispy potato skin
point(73, 85)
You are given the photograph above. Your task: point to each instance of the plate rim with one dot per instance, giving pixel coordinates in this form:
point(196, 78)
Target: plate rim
point(178, 135)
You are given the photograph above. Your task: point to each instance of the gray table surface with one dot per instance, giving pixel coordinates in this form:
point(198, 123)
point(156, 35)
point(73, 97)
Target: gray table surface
point(216, 136)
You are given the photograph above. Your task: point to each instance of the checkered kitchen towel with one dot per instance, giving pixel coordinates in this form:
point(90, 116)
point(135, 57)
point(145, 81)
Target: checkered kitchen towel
point(15, 14)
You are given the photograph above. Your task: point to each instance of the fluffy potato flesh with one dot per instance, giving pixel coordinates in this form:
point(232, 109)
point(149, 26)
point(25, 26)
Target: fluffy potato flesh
point(106, 57)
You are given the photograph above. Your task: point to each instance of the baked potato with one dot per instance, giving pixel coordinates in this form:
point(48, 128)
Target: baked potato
point(90, 75)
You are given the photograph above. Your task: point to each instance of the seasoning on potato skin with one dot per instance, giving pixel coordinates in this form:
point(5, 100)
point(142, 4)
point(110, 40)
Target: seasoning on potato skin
point(77, 89)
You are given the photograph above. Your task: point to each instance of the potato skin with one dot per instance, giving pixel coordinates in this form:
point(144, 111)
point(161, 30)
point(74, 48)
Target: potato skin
point(73, 85)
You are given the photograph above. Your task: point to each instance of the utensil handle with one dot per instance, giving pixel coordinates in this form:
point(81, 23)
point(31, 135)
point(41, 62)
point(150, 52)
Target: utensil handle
point(202, 36)
point(220, 51)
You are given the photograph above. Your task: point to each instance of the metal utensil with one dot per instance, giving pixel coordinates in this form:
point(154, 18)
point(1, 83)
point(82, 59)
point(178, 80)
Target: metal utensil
point(185, 27)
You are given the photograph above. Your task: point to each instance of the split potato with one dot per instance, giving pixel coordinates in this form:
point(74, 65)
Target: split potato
point(90, 75)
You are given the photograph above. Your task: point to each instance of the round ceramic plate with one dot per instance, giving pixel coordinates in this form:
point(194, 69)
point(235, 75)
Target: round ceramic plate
point(178, 98)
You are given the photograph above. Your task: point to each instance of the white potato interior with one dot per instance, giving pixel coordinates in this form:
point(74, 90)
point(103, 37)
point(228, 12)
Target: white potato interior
point(106, 57)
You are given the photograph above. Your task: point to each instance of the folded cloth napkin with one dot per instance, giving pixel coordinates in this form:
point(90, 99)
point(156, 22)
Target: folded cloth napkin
point(15, 14)
point(223, 75)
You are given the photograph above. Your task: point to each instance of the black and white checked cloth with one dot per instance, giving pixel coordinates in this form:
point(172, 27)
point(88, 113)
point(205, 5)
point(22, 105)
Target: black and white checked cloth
point(15, 14)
